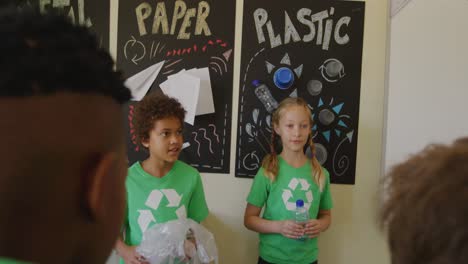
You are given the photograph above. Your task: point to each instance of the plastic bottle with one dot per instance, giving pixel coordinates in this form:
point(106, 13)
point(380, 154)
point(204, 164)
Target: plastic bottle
point(264, 95)
point(301, 216)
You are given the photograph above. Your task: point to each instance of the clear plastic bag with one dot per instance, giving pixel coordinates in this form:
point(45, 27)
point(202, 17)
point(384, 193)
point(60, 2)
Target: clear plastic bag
point(178, 241)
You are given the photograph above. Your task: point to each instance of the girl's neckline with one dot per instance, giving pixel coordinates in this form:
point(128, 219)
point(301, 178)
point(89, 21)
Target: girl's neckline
point(305, 163)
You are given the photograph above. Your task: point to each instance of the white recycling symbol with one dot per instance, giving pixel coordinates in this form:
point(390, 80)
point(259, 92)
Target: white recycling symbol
point(154, 199)
point(287, 193)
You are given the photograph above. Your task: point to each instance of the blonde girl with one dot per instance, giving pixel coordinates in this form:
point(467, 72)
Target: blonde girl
point(283, 179)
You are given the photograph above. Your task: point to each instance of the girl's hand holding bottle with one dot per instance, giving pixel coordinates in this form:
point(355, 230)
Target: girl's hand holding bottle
point(313, 228)
point(290, 229)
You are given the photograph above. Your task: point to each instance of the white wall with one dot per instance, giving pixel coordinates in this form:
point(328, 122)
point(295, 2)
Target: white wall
point(353, 237)
point(428, 81)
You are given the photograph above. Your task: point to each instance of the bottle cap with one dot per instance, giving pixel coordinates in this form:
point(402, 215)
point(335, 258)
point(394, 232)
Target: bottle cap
point(283, 78)
point(256, 83)
point(299, 203)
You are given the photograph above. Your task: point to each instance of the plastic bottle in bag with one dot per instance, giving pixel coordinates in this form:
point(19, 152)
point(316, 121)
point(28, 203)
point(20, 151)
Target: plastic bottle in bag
point(301, 216)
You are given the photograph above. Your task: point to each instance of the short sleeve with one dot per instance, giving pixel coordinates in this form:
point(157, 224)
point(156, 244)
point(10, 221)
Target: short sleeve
point(259, 190)
point(198, 209)
point(326, 202)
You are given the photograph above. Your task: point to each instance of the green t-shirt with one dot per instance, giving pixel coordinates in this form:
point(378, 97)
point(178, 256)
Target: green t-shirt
point(152, 200)
point(11, 261)
point(279, 198)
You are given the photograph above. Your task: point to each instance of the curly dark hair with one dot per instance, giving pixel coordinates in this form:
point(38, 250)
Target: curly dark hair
point(43, 54)
point(153, 107)
point(425, 209)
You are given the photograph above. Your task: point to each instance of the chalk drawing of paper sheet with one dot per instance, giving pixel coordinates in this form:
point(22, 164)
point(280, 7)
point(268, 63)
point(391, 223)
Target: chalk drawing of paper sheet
point(140, 83)
point(205, 103)
point(186, 89)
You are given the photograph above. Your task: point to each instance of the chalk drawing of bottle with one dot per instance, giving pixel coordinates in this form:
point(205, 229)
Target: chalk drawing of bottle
point(264, 95)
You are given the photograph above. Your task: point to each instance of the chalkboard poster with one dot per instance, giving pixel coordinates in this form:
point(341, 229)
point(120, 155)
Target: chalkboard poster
point(160, 41)
point(310, 49)
point(91, 13)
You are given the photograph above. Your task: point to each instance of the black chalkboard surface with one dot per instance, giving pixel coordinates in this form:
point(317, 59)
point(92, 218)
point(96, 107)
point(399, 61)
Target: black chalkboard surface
point(183, 35)
point(91, 13)
point(317, 47)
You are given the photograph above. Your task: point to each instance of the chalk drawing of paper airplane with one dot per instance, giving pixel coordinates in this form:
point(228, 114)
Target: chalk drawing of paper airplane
point(140, 83)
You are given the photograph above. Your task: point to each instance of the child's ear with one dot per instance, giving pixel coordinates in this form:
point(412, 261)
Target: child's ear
point(145, 142)
point(276, 129)
point(97, 184)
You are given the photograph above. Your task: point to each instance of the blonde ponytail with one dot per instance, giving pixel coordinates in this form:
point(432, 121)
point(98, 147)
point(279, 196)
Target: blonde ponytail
point(270, 162)
point(317, 172)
